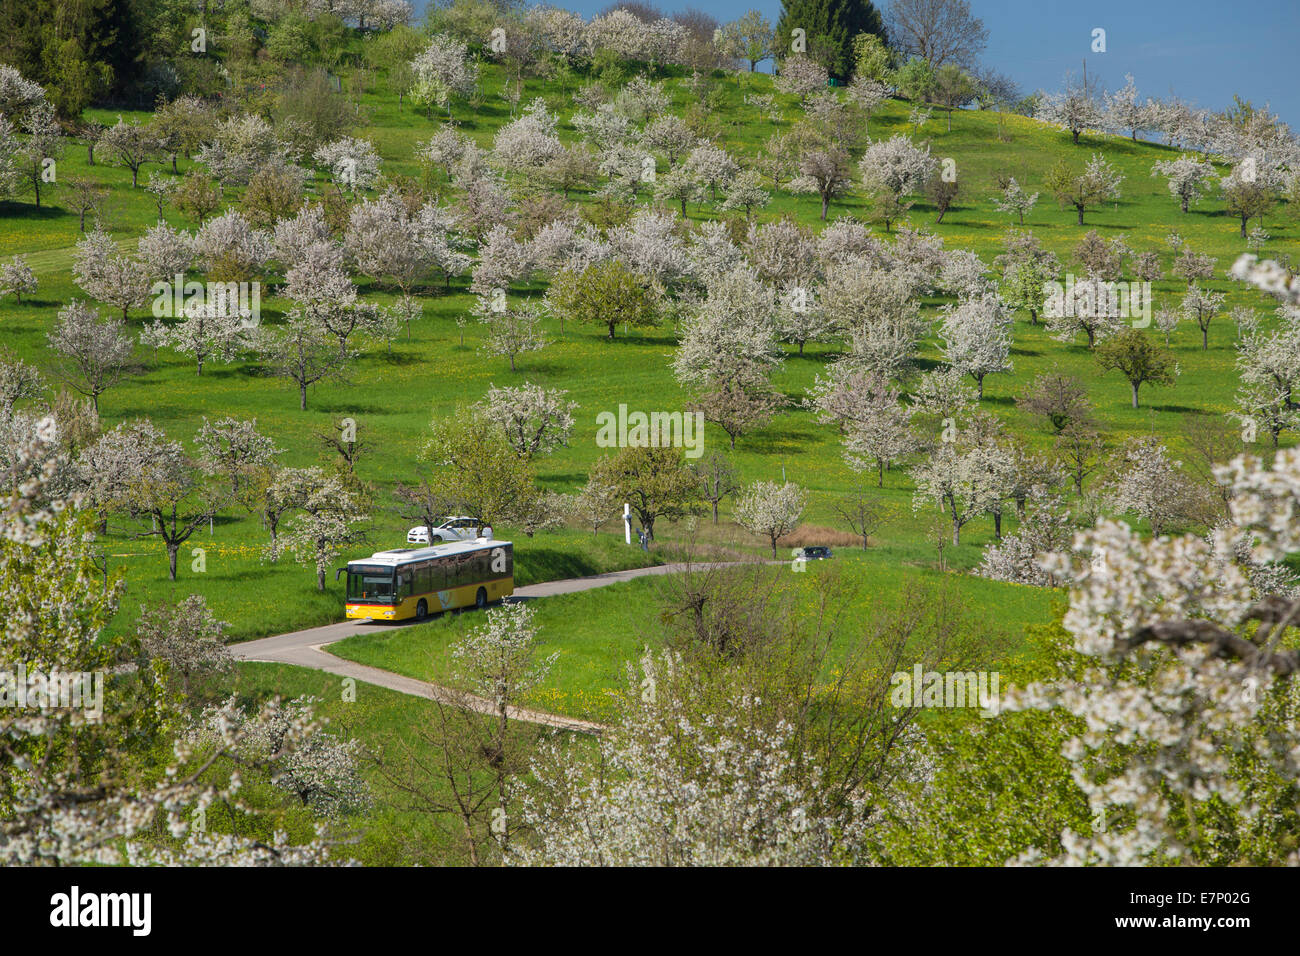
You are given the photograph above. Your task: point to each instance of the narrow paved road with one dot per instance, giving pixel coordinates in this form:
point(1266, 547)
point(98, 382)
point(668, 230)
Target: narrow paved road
point(307, 649)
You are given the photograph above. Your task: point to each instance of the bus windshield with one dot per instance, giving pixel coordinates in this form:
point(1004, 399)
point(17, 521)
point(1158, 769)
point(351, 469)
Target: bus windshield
point(370, 583)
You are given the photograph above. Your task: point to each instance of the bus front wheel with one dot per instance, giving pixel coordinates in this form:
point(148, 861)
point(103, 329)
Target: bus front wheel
point(480, 599)
point(421, 611)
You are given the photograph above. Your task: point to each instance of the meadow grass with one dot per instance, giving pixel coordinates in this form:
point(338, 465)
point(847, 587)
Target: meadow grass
point(595, 634)
point(393, 393)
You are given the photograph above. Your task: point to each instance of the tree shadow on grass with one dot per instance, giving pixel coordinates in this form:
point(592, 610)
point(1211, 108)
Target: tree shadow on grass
point(23, 210)
point(401, 357)
point(352, 408)
point(640, 338)
point(222, 372)
point(1110, 226)
point(220, 520)
point(567, 478)
point(258, 370)
point(786, 441)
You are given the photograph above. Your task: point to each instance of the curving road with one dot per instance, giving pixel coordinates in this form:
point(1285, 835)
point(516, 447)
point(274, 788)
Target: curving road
point(307, 649)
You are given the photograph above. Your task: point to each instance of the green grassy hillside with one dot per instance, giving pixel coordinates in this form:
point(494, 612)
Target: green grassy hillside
point(393, 395)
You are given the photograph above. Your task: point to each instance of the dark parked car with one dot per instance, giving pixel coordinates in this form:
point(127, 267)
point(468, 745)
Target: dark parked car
point(813, 553)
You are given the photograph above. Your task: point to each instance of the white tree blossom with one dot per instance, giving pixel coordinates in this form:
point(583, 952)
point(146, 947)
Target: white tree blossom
point(1090, 306)
point(977, 337)
point(770, 510)
point(669, 135)
point(17, 278)
point(88, 810)
point(303, 351)
point(781, 253)
point(1201, 307)
point(1147, 483)
point(846, 238)
point(330, 514)
point(896, 166)
point(801, 76)
point(712, 166)
point(212, 328)
point(95, 354)
point(502, 260)
point(132, 144)
point(529, 142)
point(965, 477)
point(150, 478)
point(732, 335)
point(165, 252)
point(649, 245)
point(1015, 200)
point(242, 145)
point(535, 420)
point(876, 425)
point(321, 771)
point(441, 72)
point(1075, 109)
point(712, 252)
point(105, 275)
point(352, 163)
point(234, 449)
point(230, 245)
point(1168, 694)
point(1124, 111)
point(679, 791)
point(511, 329)
point(1187, 177)
point(385, 239)
point(1018, 557)
point(878, 313)
point(943, 393)
point(187, 639)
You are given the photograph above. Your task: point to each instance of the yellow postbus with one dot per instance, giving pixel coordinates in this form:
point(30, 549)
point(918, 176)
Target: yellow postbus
point(416, 582)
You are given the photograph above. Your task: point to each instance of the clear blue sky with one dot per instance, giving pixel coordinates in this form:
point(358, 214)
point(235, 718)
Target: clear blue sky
point(1203, 51)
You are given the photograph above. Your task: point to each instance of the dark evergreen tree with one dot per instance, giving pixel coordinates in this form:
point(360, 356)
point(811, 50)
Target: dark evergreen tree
point(79, 50)
point(829, 26)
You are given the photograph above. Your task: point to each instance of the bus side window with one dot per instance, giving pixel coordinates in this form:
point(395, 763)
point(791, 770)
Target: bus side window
point(424, 578)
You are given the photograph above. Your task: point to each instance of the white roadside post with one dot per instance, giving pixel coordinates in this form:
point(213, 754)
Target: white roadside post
point(627, 522)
